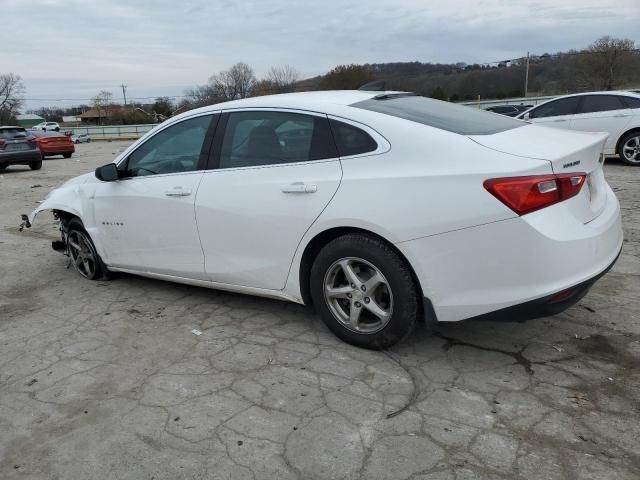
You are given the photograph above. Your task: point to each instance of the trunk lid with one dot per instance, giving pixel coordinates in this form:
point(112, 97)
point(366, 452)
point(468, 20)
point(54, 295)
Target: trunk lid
point(568, 152)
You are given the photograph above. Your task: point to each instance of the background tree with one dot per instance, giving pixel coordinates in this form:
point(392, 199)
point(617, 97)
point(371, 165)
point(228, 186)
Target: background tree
point(199, 96)
point(11, 96)
point(439, 94)
point(163, 106)
point(346, 77)
point(237, 82)
point(283, 79)
point(101, 102)
point(605, 60)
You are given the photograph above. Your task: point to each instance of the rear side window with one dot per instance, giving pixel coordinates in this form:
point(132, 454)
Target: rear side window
point(352, 140)
point(254, 138)
point(563, 106)
point(600, 103)
point(443, 115)
point(631, 102)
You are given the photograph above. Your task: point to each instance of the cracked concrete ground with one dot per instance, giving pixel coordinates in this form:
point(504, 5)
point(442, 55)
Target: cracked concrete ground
point(105, 380)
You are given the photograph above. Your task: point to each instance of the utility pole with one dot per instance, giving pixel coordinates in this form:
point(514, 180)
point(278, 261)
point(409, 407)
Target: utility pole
point(526, 77)
point(124, 93)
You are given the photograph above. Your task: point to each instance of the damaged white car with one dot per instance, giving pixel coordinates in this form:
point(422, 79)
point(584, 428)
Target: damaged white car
point(376, 207)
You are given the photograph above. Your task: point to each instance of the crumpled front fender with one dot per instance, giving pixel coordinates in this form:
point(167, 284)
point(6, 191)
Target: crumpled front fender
point(67, 199)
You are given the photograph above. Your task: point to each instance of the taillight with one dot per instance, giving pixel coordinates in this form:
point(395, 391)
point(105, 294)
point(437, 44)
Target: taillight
point(527, 194)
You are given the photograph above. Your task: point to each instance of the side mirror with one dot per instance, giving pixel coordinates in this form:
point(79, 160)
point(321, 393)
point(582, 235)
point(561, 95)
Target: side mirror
point(107, 173)
point(526, 116)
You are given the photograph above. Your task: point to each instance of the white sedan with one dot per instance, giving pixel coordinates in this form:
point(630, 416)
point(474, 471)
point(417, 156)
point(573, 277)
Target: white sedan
point(616, 113)
point(378, 208)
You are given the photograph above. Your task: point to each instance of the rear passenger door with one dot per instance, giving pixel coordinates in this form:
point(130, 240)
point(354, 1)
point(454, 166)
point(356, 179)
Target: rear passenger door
point(602, 113)
point(273, 173)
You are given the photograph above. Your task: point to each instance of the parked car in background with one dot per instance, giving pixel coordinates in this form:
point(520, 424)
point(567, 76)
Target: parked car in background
point(18, 147)
point(81, 138)
point(376, 207)
point(47, 126)
point(54, 143)
point(617, 113)
point(508, 110)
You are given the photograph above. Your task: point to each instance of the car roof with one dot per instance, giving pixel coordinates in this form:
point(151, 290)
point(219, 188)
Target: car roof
point(322, 100)
point(625, 93)
point(3, 127)
point(39, 133)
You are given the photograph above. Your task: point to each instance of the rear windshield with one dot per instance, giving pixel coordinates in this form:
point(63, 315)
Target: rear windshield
point(443, 115)
point(10, 132)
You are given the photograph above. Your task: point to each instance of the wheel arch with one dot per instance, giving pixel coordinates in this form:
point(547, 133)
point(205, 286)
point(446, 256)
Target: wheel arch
point(621, 137)
point(321, 239)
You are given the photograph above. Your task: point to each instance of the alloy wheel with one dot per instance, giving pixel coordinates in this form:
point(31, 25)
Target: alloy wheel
point(82, 254)
point(631, 149)
point(358, 295)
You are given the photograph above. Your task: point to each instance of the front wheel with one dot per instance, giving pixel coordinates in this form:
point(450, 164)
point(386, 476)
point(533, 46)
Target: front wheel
point(82, 252)
point(630, 149)
point(364, 291)
point(66, 155)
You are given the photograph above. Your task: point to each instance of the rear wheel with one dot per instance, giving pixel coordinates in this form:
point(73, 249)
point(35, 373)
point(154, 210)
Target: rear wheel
point(630, 149)
point(66, 155)
point(364, 291)
point(35, 165)
point(82, 252)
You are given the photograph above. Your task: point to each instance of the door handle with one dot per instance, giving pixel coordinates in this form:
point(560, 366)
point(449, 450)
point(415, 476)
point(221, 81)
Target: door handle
point(621, 115)
point(177, 192)
point(560, 120)
point(299, 187)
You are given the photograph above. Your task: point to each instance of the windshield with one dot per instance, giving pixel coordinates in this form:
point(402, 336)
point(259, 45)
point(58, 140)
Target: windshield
point(443, 115)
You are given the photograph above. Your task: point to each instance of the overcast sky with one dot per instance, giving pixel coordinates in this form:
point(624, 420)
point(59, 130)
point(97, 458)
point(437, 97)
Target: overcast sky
point(71, 49)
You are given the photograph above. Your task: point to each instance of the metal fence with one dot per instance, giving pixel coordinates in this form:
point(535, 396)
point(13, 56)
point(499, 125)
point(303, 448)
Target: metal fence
point(111, 132)
point(508, 101)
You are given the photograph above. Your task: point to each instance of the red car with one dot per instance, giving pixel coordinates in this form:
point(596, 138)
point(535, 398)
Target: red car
point(53, 143)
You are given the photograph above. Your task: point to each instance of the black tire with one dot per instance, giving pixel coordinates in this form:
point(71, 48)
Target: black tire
point(625, 139)
point(35, 165)
point(66, 155)
point(76, 234)
point(404, 292)
point(57, 129)
point(88, 140)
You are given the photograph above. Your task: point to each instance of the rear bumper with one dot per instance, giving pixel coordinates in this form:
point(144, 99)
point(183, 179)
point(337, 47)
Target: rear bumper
point(58, 150)
point(540, 307)
point(524, 260)
point(19, 158)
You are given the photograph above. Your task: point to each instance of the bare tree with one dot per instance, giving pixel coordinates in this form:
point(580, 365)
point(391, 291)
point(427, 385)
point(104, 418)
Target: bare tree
point(237, 82)
point(283, 79)
point(11, 96)
point(199, 96)
point(101, 102)
point(605, 59)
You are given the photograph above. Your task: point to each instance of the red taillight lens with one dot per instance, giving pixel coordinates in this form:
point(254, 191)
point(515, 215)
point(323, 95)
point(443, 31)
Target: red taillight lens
point(527, 194)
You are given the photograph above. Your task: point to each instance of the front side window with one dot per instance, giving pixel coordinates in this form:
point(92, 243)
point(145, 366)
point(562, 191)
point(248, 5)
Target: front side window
point(255, 138)
point(564, 106)
point(175, 149)
point(600, 103)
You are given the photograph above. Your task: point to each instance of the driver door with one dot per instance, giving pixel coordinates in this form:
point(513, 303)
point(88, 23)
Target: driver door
point(146, 219)
point(556, 113)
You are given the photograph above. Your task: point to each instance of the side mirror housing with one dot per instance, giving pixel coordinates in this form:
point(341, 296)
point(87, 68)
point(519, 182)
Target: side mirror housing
point(107, 173)
point(526, 116)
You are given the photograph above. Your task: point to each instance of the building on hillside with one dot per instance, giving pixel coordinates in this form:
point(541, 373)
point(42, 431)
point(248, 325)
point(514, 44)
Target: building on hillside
point(28, 120)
